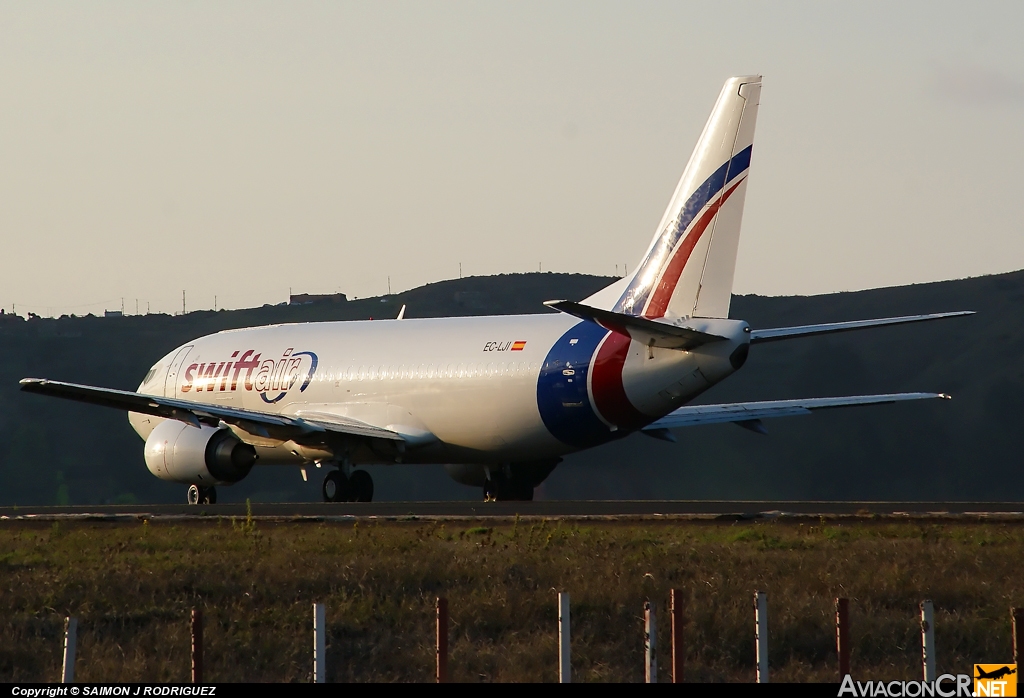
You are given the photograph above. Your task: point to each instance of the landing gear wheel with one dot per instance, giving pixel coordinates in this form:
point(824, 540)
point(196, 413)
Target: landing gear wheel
point(336, 487)
point(360, 486)
point(202, 495)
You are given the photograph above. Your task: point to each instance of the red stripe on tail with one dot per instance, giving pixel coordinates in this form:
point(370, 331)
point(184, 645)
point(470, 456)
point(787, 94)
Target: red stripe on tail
point(667, 283)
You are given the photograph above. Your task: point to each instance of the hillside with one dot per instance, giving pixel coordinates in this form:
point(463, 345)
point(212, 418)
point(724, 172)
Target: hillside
point(52, 451)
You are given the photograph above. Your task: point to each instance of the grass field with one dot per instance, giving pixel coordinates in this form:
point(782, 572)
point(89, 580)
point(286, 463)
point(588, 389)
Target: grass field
point(132, 587)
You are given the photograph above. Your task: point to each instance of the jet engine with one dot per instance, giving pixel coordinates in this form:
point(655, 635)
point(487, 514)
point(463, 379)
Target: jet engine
point(205, 456)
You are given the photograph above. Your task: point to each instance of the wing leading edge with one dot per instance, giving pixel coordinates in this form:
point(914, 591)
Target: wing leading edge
point(749, 413)
point(195, 413)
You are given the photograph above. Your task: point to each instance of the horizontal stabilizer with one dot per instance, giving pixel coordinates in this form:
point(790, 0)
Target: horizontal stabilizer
point(750, 412)
point(652, 333)
point(775, 334)
point(196, 413)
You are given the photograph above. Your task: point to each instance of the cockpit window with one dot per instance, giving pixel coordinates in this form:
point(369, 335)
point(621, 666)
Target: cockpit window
point(149, 376)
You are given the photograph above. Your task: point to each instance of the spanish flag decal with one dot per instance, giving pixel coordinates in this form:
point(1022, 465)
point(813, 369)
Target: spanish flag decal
point(518, 346)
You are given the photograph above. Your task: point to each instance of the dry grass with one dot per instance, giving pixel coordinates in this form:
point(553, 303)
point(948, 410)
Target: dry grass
point(132, 585)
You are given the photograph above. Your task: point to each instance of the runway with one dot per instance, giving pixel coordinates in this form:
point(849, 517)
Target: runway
point(498, 511)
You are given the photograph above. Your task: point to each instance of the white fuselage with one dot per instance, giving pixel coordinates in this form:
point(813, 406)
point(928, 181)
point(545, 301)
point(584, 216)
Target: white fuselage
point(493, 389)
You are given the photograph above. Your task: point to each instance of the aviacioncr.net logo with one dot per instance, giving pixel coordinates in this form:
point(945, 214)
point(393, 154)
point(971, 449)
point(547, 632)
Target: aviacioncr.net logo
point(946, 686)
point(248, 370)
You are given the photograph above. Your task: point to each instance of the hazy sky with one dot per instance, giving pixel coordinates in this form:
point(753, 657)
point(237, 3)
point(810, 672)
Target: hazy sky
point(239, 149)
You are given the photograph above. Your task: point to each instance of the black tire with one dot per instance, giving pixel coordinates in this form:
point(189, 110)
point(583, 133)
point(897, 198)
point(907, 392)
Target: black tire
point(361, 486)
point(207, 495)
point(194, 496)
point(336, 487)
point(521, 492)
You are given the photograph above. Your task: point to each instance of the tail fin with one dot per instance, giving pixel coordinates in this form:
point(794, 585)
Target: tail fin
point(688, 268)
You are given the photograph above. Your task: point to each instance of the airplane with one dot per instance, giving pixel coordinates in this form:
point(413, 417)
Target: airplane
point(497, 400)
point(995, 673)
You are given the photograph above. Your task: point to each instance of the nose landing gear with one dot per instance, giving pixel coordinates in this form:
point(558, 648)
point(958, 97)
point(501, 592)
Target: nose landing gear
point(202, 495)
point(357, 487)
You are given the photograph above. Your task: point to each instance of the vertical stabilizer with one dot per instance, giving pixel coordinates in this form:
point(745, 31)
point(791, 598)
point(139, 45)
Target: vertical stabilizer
point(688, 268)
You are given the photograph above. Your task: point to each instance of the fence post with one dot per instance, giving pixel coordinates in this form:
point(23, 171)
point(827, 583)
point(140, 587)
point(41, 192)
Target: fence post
point(761, 634)
point(564, 658)
point(650, 642)
point(319, 643)
point(67, 674)
point(843, 636)
point(928, 639)
point(197, 645)
point(442, 640)
point(1017, 623)
point(676, 611)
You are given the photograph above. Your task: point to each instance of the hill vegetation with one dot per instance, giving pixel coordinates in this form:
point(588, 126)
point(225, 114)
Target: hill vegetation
point(967, 448)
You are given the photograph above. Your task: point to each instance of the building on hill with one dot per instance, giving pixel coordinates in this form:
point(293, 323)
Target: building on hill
point(310, 298)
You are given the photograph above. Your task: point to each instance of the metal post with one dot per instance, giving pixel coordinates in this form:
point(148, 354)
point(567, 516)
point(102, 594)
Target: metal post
point(650, 642)
point(319, 643)
point(928, 639)
point(442, 640)
point(564, 664)
point(197, 645)
point(843, 636)
point(70, 641)
point(761, 635)
point(676, 610)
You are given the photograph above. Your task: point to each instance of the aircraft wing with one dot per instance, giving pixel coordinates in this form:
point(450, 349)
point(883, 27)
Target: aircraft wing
point(653, 333)
point(196, 413)
point(749, 413)
point(777, 333)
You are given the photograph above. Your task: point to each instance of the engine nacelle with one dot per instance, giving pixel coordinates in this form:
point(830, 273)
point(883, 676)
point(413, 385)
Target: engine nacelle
point(206, 456)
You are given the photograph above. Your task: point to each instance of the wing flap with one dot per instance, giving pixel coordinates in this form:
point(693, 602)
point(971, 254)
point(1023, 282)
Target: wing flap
point(777, 333)
point(693, 415)
point(651, 333)
point(195, 413)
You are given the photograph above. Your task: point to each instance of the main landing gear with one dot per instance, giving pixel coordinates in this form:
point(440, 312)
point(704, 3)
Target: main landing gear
point(202, 495)
point(357, 487)
point(499, 488)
